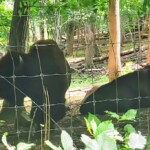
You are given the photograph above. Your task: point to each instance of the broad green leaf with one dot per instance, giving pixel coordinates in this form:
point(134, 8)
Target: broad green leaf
point(24, 146)
point(91, 144)
point(129, 128)
point(113, 115)
point(129, 115)
point(114, 134)
point(66, 141)
point(52, 146)
point(105, 142)
point(104, 126)
point(93, 117)
point(4, 141)
point(93, 126)
point(92, 122)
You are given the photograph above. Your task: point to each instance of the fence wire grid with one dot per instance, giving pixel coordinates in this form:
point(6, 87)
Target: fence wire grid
point(134, 46)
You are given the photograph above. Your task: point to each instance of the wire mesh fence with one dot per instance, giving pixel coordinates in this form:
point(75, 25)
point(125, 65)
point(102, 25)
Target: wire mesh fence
point(74, 35)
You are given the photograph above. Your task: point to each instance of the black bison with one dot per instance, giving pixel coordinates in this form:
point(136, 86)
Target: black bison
point(42, 71)
point(131, 91)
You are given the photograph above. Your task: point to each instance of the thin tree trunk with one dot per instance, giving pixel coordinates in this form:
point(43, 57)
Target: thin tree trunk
point(33, 31)
point(114, 62)
point(70, 38)
point(89, 40)
point(93, 28)
point(57, 26)
point(19, 26)
point(148, 52)
point(41, 22)
point(42, 27)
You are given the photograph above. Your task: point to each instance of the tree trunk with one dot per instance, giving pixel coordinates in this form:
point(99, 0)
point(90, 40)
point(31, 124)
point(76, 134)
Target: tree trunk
point(41, 27)
point(41, 21)
point(33, 31)
point(19, 26)
point(89, 41)
point(114, 62)
point(57, 26)
point(148, 52)
point(70, 38)
point(93, 28)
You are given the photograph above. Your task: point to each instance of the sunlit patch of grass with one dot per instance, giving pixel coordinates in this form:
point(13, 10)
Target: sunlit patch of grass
point(79, 80)
point(79, 53)
point(83, 79)
point(128, 68)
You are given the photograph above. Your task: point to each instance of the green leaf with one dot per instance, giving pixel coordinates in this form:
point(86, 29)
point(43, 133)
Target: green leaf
point(129, 128)
point(105, 142)
point(113, 115)
point(92, 122)
point(88, 126)
point(66, 141)
point(104, 126)
point(93, 117)
point(93, 126)
point(52, 146)
point(102, 142)
point(129, 115)
point(91, 144)
point(24, 146)
point(4, 141)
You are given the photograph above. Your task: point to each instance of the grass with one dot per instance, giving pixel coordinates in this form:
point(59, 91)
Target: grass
point(79, 80)
point(83, 79)
point(79, 53)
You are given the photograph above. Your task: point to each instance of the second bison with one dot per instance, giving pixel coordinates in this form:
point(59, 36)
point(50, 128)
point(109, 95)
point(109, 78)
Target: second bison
point(131, 91)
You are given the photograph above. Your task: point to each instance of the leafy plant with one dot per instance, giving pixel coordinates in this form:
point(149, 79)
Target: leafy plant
point(129, 115)
point(20, 146)
point(106, 130)
point(66, 140)
point(101, 142)
point(105, 135)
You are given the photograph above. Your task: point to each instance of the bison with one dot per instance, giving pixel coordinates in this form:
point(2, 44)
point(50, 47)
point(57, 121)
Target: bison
point(131, 91)
point(43, 73)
